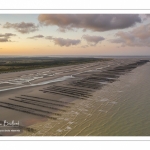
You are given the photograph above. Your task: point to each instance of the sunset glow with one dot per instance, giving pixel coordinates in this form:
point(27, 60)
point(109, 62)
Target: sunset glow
point(71, 34)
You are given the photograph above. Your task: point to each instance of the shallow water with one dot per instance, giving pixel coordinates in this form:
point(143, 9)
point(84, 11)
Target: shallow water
point(121, 108)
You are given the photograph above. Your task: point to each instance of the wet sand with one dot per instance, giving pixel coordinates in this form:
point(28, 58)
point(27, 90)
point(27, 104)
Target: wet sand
point(52, 101)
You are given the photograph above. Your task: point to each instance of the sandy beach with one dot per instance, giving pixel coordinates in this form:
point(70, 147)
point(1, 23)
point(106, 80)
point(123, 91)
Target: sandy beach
point(53, 101)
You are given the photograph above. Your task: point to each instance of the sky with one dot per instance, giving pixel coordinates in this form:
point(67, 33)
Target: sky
point(75, 34)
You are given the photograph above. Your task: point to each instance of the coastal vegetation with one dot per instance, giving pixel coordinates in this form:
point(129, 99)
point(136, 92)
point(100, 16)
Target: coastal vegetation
point(30, 63)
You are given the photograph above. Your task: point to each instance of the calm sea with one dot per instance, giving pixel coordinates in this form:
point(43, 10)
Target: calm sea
point(121, 108)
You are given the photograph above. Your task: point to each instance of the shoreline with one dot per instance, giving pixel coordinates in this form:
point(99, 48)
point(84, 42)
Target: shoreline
point(70, 124)
point(59, 92)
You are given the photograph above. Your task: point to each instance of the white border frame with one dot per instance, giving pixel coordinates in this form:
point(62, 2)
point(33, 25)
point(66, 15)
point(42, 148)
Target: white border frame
point(73, 11)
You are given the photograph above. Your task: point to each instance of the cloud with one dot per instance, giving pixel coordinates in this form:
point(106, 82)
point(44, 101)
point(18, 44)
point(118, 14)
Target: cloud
point(61, 29)
point(94, 22)
point(36, 37)
point(142, 32)
point(144, 17)
point(84, 46)
point(147, 15)
point(64, 42)
point(4, 40)
point(6, 37)
point(22, 27)
point(93, 39)
point(49, 37)
point(139, 36)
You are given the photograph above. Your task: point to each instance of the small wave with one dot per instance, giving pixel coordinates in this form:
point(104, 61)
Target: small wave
point(66, 119)
point(70, 122)
point(74, 112)
point(60, 118)
point(59, 130)
point(113, 102)
point(103, 82)
point(103, 111)
point(68, 128)
point(104, 100)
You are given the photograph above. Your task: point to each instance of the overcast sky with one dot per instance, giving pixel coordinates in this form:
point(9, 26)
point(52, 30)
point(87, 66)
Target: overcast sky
point(75, 34)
